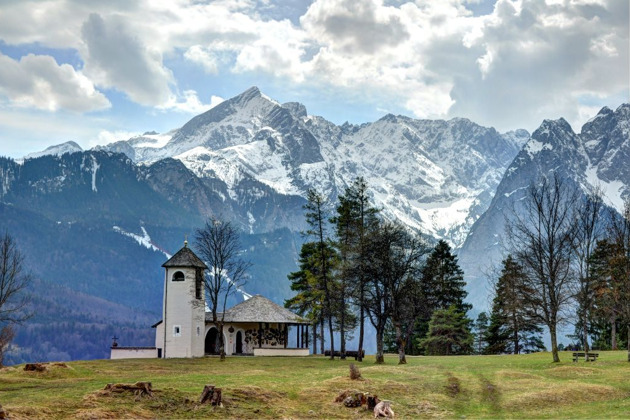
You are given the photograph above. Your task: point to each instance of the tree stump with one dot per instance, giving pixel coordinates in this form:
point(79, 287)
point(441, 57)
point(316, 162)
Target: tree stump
point(355, 400)
point(210, 394)
point(35, 367)
point(139, 388)
point(372, 400)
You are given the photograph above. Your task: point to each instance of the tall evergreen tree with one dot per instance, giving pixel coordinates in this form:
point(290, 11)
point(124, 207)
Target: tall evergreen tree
point(443, 286)
point(345, 229)
point(317, 220)
point(512, 329)
point(309, 301)
point(443, 280)
point(364, 221)
point(607, 297)
point(480, 330)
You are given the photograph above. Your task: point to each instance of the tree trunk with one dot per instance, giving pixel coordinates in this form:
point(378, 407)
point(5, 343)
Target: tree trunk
point(400, 343)
point(515, 325)
point(554, 344)
point(314, 337)
point(321, 336)
point(613, 333)
point(585, 333)
point(628, 331)
point(361, 329)
point(221, 342)
point(380, 331)
point(342, 334)
point(332, 338)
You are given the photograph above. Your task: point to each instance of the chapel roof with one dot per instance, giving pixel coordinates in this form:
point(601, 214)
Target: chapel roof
point(185, 257)
point(259, 309)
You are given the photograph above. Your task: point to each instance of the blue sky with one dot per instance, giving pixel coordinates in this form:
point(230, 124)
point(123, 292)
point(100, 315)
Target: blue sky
point(95, 71)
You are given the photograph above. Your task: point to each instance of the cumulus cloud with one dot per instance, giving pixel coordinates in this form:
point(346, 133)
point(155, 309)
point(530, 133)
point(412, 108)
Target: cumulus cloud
point(363, 27)
point(190, 103)
point(205, 59)
point(510, 66)
point(118, 59)
point(38, 81)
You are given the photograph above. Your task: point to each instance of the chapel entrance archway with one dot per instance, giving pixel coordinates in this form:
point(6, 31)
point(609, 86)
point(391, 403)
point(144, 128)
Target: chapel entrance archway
point(239, 343)
point(212, 341)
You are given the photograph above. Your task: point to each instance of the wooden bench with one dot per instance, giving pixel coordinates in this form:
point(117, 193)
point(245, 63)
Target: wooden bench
point(349, 353)
point(592, 357)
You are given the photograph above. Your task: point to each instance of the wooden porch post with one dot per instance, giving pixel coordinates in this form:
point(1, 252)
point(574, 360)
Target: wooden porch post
point(306, 337)
point(260, 335)
point(286, 334)
point(297, 335)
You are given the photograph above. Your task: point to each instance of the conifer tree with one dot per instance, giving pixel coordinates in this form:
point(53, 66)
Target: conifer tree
point(345, 229)
point(309, 301)
point(449, 333)
point(443, 280)
point(317, 220)
point(512, 329)
point(481, 332)
point(364, 221)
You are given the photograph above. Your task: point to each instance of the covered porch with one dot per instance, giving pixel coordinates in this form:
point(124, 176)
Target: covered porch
point(259, 327)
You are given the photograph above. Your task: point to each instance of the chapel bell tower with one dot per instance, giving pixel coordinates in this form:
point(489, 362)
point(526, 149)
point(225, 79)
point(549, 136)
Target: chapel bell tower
point(184, 306)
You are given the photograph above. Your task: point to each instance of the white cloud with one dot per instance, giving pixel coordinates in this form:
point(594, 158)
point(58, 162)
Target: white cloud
point(38, 81)
point(205, 59)
point(106, 137)
point(525, 61)
point(190, 103)
point(115, 57)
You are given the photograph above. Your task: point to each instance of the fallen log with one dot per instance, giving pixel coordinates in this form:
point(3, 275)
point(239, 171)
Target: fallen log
point(210, 394)
point(139, 388)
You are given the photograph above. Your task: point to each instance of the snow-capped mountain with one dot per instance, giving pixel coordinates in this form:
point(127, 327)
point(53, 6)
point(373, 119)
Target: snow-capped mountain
point(598, 156)
point(57, 150)
point(435, 176)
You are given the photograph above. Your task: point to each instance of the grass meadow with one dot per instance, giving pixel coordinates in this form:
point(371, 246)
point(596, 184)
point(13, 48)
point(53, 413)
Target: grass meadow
point(521, 386)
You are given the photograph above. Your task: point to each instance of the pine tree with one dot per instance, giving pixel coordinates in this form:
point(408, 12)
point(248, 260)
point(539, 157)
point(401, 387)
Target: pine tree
point(364, 221)
point(449, 333)
point(481, 332)
point(443, 280)
point(442, 286)
point(512, 329)
point(309, 300)
point(316, 219)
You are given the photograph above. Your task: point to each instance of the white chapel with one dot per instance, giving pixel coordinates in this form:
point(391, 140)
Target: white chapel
point(256, 326)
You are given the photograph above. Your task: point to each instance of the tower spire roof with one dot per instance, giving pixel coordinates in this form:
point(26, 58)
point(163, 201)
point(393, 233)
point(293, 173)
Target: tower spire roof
point(185, 257)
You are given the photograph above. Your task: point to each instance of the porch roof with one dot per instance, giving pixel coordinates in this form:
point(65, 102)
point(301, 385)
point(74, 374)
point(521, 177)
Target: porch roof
point(259, 309)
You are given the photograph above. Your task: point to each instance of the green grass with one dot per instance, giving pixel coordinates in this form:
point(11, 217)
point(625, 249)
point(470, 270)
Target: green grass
point(524, 386)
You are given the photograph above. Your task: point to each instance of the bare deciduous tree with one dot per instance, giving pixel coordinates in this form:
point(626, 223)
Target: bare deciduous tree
point(393, 272)
point(588, 231)
point(219, 246)
point(14, 279)
point(541, 238)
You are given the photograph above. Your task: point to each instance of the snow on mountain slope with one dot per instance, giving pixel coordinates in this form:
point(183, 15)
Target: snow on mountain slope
point(598, 156)
point(57, 150)
point(435, 176)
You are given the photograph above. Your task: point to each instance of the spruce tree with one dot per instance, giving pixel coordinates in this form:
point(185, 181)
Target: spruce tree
point(443, 280)
point(449, 333)
point(512, 329)
point(481, 332)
